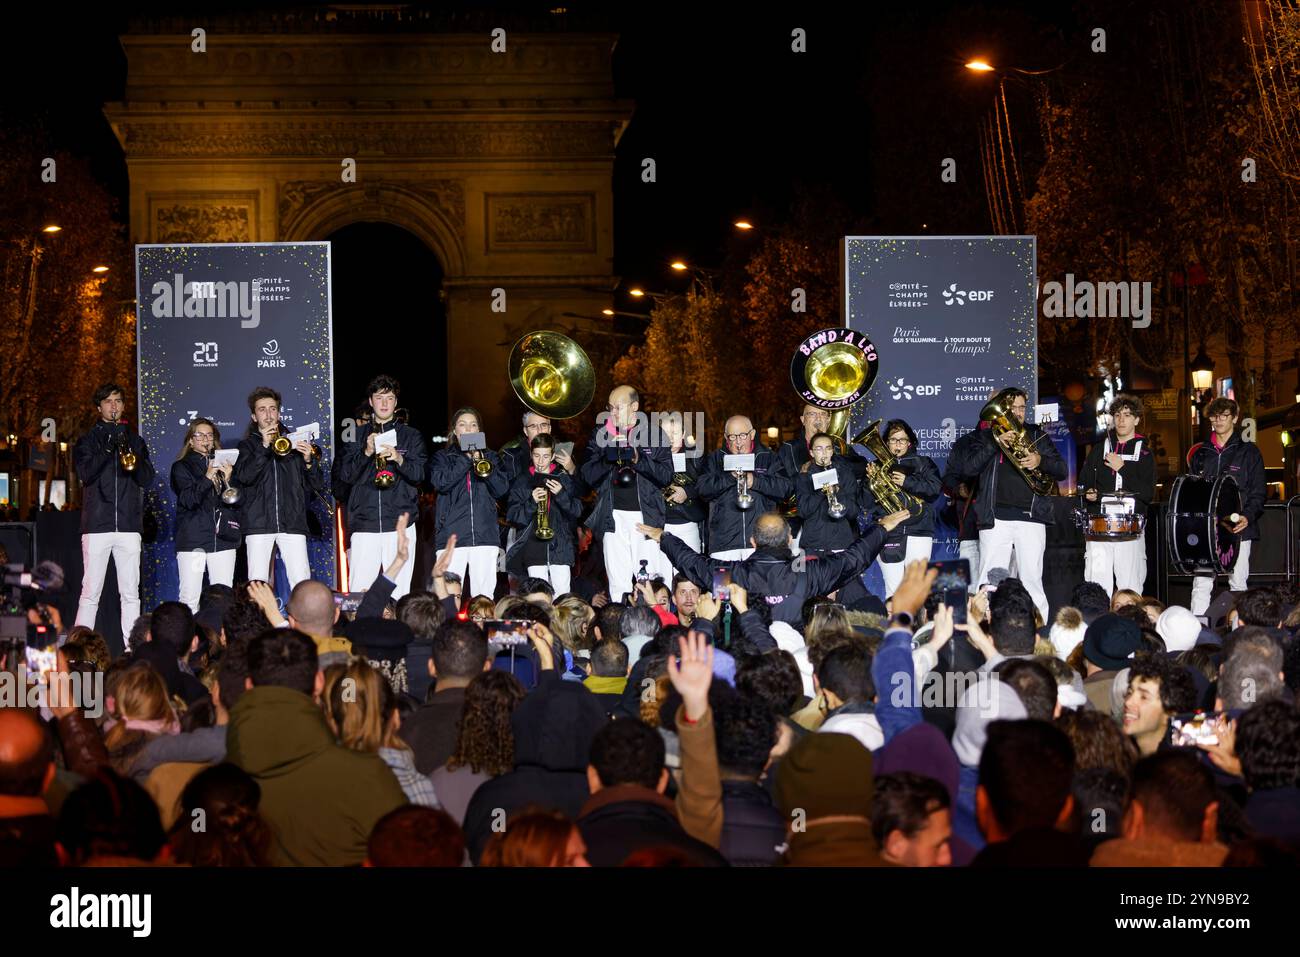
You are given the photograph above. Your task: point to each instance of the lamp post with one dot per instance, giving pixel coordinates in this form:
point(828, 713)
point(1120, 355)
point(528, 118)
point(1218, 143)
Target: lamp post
point(1202, 370)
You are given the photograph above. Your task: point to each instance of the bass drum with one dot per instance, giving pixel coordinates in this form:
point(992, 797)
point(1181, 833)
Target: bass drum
point(1200, 532)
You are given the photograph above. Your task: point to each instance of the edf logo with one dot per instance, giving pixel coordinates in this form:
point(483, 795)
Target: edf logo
point(928, 389)
point(952, 296)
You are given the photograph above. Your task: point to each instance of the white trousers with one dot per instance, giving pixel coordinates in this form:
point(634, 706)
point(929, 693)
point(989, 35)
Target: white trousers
point(372, 552)
point(220, 567)
point(625, 548)
point(969, 549)
point(1203, 584)
point(1116, 565)
point(732, 554)
point(917, 548)
point(689, 533)
point(1027, 540)
point(293, 552)
point(481, 560)
point(557, 575)
point(96, 549)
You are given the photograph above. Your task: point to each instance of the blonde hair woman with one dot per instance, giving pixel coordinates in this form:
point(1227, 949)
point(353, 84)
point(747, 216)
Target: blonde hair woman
point(361, 709)
point(142, 711)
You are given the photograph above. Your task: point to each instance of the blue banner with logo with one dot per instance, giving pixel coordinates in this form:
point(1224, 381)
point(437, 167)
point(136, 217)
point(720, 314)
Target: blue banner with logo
point(953, 319)
point(215, 321)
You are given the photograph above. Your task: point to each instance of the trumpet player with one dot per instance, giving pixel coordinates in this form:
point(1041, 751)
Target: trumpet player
point(468, 485)
point(199, 486)
point(918, 476)
point(682, 495)
point(113, 465)
point(1011, 516)
point(544, 506)
point(276, 479)
point(384, 483)
point(829, 513)
point(737, 499)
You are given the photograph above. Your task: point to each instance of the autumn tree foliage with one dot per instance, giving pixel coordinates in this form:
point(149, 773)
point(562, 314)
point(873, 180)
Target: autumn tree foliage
point(63, 328)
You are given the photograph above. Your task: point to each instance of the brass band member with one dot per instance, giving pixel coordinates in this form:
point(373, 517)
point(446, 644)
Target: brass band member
point(1011, 516)
point(736, 500)
point(113, 465)
point(685, 510)
point(1121, 463)
point(1227, 453)
point(199, 486)
point(918, 476)
point(276, 489)
point(628, 468)
point(467, 504)
point(830, 514)
point(384, 483)
point(546, 510)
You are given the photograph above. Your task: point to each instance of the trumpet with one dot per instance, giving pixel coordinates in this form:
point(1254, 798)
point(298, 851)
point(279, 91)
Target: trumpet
point(228, 493)
point(542, 524)
point(384, 476)
point(125, 457)
point(744, 500)
point(281, 445)
point(482, 467)
point(834, 507)
point(680, 480)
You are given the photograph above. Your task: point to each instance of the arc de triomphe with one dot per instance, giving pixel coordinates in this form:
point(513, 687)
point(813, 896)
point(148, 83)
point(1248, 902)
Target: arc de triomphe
point(500, 162)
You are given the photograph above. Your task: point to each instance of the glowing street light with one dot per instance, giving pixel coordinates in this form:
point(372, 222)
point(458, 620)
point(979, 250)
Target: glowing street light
point(52, 229)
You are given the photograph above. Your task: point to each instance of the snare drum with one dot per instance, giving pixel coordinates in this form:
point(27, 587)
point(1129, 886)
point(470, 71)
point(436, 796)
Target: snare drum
point(1200, 530)
point(1114, 528)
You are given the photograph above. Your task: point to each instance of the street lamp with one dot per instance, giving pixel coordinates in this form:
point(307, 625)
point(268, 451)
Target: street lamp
point(743, 224)
point(1202, 370)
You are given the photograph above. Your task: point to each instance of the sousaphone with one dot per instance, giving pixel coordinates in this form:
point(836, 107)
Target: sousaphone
point(833, 369)
point(551, 375)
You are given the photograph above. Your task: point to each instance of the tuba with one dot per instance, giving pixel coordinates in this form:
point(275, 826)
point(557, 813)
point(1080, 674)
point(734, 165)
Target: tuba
point(890, 496)
point(997, 412)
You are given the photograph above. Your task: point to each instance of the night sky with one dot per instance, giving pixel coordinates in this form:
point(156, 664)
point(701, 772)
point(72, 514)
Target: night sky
point(735, 122)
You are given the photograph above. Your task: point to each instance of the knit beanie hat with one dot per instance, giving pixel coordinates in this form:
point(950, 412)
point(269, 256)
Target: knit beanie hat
point(823, 775)
point(1067, 631)
point(1111, 641)
point(1178, 627)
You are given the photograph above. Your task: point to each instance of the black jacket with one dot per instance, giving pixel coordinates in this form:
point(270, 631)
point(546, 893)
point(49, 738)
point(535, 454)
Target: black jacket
point(1139, 477)
point(564, 510)
point(692, 511)
point(467, 504)
point(432, 729)
point(553, 728)
point(197, 506)
point(752, 827)
point(922, 480)
point(980, 456)
point(371, 509)
point(276, 489)
point(1244, 463)
point(729, 526)
point(112, 500)
point(819, 531)
point(654, 470)
point(784, 583)
point(621, 820)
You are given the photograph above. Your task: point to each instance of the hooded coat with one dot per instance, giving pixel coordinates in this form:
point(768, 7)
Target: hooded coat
point(553, 728)
point(321, 799)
